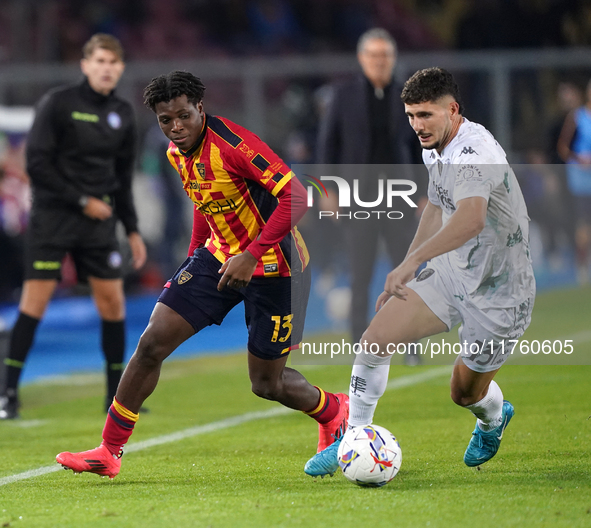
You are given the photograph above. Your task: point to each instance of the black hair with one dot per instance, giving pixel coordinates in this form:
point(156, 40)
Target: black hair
point(167, 87)
point(431, 84)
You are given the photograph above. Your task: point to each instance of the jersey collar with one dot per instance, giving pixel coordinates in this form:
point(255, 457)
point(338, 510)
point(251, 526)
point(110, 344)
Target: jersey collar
point(93, 96)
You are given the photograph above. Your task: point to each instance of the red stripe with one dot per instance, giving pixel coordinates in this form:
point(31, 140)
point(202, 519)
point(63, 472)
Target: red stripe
point(238, 230)
point(225, 248)
point(242, 188)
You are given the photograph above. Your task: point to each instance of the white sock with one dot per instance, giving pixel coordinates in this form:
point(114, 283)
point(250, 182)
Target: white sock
point(489, 410)
point(368, 382)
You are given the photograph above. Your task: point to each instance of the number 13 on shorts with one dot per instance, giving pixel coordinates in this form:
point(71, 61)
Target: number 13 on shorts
point(281, 323)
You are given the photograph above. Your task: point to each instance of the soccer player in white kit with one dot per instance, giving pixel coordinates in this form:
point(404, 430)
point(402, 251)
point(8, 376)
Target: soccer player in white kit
point(473, 234)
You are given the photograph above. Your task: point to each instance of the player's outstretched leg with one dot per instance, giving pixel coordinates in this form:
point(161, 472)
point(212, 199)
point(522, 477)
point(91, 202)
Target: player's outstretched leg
point(368, 382)
point(485, 444)
point(165, 332)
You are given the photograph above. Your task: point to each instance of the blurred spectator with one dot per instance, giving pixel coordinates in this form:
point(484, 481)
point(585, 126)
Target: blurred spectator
point(574, 147)
point(569, 96)
point(540, 185)
point(365, 124)
point(15, 198)
point(273, 26)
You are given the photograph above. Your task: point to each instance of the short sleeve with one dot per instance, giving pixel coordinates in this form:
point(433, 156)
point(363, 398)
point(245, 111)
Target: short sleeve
point(477, 179)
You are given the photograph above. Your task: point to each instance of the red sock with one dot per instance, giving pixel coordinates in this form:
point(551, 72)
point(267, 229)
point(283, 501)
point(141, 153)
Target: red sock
point(327, 408)
point(118, 427)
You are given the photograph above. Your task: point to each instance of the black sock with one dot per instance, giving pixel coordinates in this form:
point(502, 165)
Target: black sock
point(113, 342)
point(21, 339)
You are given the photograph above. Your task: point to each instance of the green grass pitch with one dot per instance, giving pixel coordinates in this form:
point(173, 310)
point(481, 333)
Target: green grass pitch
point(251, 474)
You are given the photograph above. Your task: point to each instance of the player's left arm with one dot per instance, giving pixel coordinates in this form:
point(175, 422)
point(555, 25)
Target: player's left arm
point(124, 206)
point(467, 221)
point(272, 173)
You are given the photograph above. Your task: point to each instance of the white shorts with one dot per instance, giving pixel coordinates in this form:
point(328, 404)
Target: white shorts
point(484, 332)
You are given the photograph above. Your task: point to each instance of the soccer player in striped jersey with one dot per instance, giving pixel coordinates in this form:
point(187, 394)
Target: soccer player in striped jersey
point(245, 247)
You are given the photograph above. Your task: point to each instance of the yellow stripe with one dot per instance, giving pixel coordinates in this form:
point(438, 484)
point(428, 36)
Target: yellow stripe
point(302, 244)
point(282, 182)
point(123, 411)
point(320, 404)
point(244, 213)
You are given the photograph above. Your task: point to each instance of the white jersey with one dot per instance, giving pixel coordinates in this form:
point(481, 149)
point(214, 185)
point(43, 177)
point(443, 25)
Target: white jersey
point(494, 268)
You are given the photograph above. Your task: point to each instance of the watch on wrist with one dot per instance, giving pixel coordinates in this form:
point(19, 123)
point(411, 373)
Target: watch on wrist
point(83, 201)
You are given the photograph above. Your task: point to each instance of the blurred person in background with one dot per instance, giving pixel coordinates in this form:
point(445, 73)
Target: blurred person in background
point(80, 158)
point(364, 123)
point(574, 147)
point(569, 96)
point(14, 212)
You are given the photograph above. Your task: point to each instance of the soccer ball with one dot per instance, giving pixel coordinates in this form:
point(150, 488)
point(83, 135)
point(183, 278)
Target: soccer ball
point(369, 456)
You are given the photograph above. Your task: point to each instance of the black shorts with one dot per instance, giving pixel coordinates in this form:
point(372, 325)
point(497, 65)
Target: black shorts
point(52, 233)
point(275, 307)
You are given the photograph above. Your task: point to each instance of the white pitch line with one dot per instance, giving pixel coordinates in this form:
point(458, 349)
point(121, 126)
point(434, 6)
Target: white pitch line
point(396, 383)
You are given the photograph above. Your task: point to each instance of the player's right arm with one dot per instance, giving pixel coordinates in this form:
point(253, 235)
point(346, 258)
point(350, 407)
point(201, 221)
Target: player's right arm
point(42, 145)
point(429, 224)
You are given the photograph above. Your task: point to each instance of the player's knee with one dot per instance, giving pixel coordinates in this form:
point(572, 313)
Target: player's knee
point(111, 307)
point(374, 340)
point(462, 398)
point(151, 351)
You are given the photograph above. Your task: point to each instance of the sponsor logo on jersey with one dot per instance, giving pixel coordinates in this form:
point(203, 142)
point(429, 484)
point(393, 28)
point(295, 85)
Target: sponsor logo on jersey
point(199, 186)
point(114, 120)
point(468, 173)
point(468, 150)
point(246, 150)
point(185, 276)
point(443, 196)
point(425, 274)
point(114, 259)
point(88, 118)
point(271, 268)
point(219, 206)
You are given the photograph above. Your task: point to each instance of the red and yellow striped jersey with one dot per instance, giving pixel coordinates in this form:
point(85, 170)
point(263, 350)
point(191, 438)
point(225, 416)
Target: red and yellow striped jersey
point(236, 182)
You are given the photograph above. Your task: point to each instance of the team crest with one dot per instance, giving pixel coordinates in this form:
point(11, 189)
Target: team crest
point(425, 274)
point(185, 276)
point(201, 169)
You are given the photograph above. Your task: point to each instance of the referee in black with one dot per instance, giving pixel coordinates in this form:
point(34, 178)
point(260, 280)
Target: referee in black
point(80, 158)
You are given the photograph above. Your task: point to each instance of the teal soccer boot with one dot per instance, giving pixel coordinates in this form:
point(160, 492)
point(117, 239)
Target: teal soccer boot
point(485, 444)
point(324, 463)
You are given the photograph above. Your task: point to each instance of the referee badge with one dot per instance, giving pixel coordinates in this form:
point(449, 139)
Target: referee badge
point(114, 120)
point(185, 276)
point(114, 260)
point(201, 169)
